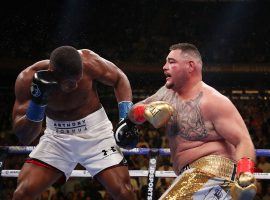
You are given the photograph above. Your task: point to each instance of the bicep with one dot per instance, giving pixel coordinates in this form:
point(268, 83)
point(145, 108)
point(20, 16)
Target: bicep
point(19, 109)
point(229, 124)
point(22, 94)
point(105, 71)
point(158, 96)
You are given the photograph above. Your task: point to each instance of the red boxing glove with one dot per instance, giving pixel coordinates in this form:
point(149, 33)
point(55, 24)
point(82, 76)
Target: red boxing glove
point(245, 165)
point(138, 114)
point(157, 113)
point(244, 188)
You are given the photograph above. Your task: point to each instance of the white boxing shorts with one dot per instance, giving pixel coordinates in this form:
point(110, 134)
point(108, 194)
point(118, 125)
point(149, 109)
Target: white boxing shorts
point(88, 141)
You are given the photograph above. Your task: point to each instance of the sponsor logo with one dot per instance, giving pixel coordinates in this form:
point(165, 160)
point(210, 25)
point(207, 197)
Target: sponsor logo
point(107, 152)
point(151, 178)
point(218, 193)
point(215, 193)
point(70, 127)
point(35, 91)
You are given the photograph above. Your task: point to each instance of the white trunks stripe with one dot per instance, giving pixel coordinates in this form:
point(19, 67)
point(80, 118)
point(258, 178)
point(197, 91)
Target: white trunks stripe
point(77, 126)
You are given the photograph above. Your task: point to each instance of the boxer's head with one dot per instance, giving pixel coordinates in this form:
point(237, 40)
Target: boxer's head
point(66, 64)
point(183, 61)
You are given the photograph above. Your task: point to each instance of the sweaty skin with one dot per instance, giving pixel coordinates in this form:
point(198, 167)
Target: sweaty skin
point(204, 121)
point(190, 132)
point(67, 106)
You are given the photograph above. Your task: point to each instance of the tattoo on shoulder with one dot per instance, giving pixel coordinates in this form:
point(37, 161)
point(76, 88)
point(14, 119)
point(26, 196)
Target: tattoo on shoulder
point(188, 121)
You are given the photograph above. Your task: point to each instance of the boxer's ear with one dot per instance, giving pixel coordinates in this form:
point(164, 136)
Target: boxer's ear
point(191, 66)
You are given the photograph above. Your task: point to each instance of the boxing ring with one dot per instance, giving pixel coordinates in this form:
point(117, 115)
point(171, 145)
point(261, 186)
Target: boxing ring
point(151, 173)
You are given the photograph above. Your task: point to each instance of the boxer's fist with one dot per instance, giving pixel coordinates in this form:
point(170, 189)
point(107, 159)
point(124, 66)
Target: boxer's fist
point(157, 113)
point(244, 187)
point(126, 134)
point(42, 84)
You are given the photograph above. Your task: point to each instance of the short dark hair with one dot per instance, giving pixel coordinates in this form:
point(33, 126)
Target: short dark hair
point(187, 48)
point(66, 60)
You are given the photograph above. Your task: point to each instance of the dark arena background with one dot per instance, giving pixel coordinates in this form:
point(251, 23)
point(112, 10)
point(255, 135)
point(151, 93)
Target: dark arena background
point(232, 36)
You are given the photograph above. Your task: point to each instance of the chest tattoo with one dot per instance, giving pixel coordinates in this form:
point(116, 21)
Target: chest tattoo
point(188, 121)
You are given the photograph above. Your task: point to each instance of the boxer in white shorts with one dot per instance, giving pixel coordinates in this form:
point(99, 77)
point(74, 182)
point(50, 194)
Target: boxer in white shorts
point(77, 128)
point(90, 143)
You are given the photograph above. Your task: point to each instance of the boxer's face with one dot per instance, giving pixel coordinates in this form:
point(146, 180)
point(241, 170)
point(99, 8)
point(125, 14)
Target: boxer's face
point(67, 83)
point(175, 70)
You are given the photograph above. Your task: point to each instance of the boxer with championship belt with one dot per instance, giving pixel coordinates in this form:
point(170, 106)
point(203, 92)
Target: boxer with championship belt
point(208, 139)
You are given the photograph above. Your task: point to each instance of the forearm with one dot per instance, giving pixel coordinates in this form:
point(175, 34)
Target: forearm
point(245, 148)
point(123, 95)
point(244, 188)
point(122, 89)
point(27, 131)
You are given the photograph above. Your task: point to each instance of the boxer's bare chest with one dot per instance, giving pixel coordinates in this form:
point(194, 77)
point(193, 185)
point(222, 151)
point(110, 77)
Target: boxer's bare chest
point(78, 103)
point(189, 121)
point(63, 101)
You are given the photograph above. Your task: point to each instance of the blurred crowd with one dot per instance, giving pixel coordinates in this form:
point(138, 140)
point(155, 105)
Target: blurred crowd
point(140, 31)
point(137, 32)
point(255, 110)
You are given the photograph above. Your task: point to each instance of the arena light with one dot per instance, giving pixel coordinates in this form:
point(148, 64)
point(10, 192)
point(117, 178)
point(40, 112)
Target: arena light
point(251, 91)
point(237, 92)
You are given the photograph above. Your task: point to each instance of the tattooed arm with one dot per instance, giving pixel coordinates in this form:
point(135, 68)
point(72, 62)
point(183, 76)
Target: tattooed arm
point(152, 109)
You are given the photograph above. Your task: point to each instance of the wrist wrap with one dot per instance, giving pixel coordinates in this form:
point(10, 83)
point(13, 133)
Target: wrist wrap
point(245, 165)
point(35, 112)
point(124, 107)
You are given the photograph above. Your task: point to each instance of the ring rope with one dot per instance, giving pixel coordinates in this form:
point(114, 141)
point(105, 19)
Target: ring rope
point(151, 173)
point(132, 173)
point(141, 151)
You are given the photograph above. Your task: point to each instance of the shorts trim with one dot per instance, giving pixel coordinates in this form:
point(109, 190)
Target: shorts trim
point(123, 162)
point(41, 164)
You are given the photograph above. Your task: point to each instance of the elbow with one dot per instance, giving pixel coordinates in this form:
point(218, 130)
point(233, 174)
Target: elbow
point(123, 80)
point(246, 147)
point(24, 142)
point(244, 140)
point(21, 137)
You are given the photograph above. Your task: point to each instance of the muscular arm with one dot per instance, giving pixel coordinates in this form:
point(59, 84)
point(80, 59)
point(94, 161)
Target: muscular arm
point(109, 74)
point(230, 125)
point(25, 130)
point(158, 96)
